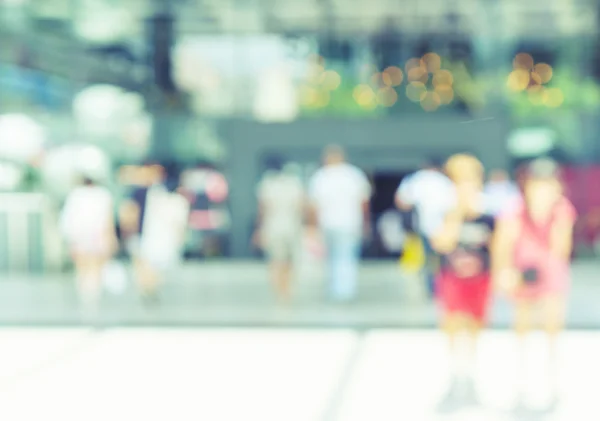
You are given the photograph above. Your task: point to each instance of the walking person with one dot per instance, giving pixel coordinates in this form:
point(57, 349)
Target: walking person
point(154, 221)
point(340, 193)
point(88, 224)
point(281, 213)
point(463, 283)
point(428, 194)
point(532, 261)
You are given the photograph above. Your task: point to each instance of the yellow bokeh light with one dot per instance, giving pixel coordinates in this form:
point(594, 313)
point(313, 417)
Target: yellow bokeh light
point(443, 77)
point(395, 75)
point(412, 63)
point(315, 72)
point(544, 71)
point(387, 96)
point(330, 80)
point(445, 93)
point(518, 80)
point(523, 61)
point(535, 78)
point(553, 97)
point(309, 96)
point(415, 91)
point(418, 74)
point(364, 96)
point(322, 99)
point(431, 62)
point(536, 94)
point(431, 101)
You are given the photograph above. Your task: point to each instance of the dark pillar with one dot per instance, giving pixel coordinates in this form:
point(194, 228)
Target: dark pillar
point(162, 94)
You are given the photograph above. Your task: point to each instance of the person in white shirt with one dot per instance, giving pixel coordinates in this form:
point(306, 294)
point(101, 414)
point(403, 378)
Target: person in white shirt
point(88, 225)
point(501, 193)
point(340, 194)
point(154, 222)
point(281, 203)
point(430, 194)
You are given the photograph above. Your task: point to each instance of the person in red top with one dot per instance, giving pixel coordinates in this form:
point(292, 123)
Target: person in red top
point(532, 255)
point(463, 283)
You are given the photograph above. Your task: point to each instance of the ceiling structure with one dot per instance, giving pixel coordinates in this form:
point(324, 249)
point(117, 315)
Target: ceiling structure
point(503, 17)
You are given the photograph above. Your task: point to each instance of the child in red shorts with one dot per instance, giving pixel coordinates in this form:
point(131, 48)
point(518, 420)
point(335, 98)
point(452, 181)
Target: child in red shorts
point(464, 281)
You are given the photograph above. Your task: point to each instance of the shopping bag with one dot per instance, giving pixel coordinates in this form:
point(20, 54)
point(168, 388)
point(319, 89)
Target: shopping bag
point(413, 258)
point(115, 277)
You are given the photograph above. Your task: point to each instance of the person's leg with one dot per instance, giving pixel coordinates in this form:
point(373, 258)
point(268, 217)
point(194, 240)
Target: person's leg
point(88, 271)
point(453, 325)
point(146, 277)
point(344, 254)
point(553, 320)
point(430, 267)
point(524, 310)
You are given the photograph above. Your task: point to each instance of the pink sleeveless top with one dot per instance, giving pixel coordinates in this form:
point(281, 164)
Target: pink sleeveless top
point(532, 250)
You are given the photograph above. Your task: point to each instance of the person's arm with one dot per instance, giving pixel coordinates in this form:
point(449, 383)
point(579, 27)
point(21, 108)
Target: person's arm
point(366, 206)
point(504, 274)
point(403, 199)
point(446, 239)
point(129, 216)
point(112, 226)
point(561, 234)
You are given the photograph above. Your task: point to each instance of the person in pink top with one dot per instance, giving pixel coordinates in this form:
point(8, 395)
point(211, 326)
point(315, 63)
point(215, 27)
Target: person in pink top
point(531, 260)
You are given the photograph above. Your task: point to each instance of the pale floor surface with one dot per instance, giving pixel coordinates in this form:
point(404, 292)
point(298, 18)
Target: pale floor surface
point(238, 294)
point(272, 375)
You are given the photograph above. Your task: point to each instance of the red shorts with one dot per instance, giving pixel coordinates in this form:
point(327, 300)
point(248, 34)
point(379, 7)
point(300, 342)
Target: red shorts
point(464, 295)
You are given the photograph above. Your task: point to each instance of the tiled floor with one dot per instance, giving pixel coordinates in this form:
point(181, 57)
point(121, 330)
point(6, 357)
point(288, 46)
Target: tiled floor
point(238, 294)
point(273, 375)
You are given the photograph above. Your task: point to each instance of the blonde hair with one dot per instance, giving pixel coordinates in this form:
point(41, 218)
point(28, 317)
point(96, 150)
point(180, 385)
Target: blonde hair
point(464, 168)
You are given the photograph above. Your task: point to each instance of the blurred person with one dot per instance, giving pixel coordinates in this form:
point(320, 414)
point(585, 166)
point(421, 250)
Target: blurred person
point(429, 194)
point(281, 211)
point(501, 192)
point(88, 223)
point(154, 221)
point(339, 194)
point(463, 283)
point(532, 262)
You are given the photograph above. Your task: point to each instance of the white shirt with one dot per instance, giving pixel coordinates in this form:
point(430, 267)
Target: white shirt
point(432, 194)
point(282, 198)
point(501, 196)
point(88, 212)
point(165, 218)
point(339, 192)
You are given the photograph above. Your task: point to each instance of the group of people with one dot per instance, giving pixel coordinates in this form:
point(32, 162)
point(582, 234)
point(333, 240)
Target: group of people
point(480, 241)
point(520, 249)
point(152, 222)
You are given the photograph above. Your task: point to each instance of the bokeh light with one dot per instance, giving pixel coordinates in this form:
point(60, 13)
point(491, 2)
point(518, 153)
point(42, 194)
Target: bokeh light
point(523, 61)
point(365, 97)
point(553, 97)
point(445, 93)
point(431, 62)
point(418, 74)
point(387, 96)
point(518, 80)
point(443, 78)
point(395, 75)
point(535, 78)
point(544, 71)
point(536, 94)
point(415, 91)
point(412, 63)
point(331, 80)
point(430, 101)
point(308, 96)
